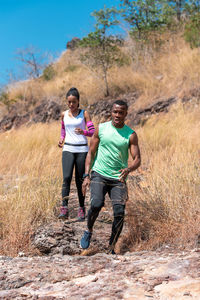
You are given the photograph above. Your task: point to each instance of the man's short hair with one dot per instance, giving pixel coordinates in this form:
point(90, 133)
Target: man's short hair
point(121, 103)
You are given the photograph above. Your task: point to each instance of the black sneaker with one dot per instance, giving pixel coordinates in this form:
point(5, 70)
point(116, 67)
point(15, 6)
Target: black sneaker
point(85, 240)
point(110, 250)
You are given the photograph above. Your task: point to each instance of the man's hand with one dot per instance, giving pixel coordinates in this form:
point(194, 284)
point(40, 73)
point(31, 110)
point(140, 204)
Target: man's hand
point(60, 143)
point(85, 185)
point(124, 174)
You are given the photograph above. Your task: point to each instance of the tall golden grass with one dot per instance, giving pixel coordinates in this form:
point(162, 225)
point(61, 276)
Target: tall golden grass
point(173, 70)
point(30, 183)
point(165, 207)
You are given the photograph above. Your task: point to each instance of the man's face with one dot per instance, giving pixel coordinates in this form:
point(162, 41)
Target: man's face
point(118, 114)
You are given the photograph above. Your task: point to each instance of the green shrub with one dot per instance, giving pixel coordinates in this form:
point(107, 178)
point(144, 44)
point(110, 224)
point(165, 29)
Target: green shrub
point(49, 73)
point(192, 31)
point(4, 98)
point(71, 68)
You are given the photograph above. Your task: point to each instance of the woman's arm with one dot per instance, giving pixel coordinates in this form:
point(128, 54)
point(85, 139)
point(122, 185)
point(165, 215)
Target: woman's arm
point(89, 124)
point(62, 133)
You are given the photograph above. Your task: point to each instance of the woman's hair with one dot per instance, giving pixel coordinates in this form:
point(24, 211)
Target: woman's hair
point(74, 92)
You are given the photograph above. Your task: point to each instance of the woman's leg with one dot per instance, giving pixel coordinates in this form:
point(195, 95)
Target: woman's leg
point(68, 159)
point(79, 171)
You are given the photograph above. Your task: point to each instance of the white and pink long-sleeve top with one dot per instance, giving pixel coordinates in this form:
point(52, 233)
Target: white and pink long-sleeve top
point(73, 142)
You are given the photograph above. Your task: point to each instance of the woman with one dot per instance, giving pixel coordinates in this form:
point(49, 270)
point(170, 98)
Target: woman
point(75, 147)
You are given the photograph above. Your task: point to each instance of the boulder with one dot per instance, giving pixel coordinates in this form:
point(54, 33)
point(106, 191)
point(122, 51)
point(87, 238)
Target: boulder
point(73, 43)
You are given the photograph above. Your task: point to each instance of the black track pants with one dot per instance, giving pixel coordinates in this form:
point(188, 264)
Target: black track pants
point(117, 191)
point(69, 160)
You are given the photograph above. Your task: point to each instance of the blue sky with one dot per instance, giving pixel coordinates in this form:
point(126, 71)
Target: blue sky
point(46, 24)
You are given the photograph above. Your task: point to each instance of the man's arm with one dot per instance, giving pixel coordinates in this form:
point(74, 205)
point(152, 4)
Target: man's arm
point(90, 159)
point(135, 154)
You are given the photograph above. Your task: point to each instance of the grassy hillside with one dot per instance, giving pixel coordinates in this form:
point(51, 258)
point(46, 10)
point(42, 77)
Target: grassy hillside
point(172, 69)
point(164, 206)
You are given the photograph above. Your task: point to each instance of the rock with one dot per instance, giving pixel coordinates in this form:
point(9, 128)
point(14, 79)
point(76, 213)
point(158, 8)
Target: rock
point(140, 116)
point(57, 238)
point(102, 108)
point(45, 112)
point(73, 44)
point(162, 274)
point(64, 271)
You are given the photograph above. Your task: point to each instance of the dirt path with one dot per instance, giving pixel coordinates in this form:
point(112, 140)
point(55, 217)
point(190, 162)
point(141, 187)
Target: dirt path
point(64, 271)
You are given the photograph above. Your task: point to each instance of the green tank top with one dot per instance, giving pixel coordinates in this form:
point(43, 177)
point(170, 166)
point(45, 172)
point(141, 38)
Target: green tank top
point(112, 153)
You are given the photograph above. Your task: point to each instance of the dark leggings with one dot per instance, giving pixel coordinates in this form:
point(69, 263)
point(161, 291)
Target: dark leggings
point(117, 191)
point(69, 160)
point(117, 224)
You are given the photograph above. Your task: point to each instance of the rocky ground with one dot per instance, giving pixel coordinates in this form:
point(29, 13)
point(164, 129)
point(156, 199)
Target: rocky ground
point(49, 110)
point(63, 271)
point(163, 274)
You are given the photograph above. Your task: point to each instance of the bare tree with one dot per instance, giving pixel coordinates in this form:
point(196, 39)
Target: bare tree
point(33, 61)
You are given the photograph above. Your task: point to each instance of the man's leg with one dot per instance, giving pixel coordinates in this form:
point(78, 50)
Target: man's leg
point(118, 223)
point(98, 191)
point(118, 195)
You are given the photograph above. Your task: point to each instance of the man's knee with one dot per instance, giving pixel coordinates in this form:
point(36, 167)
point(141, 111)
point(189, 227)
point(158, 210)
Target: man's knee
point(96, 205)
point(119, 210)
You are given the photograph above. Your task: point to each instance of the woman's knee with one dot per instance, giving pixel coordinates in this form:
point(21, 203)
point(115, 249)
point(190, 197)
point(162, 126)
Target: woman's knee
point(67, 179)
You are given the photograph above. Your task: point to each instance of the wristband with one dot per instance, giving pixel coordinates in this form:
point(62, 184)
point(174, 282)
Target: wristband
point(86, 175)
point(90, 130)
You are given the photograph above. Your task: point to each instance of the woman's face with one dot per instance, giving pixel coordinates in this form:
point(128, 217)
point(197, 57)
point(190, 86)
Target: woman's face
point(73, 103)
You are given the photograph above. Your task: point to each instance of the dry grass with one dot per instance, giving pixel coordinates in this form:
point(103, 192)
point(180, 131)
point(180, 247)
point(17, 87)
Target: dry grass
point(165, 206)
point(173, 70)
point(30, 183)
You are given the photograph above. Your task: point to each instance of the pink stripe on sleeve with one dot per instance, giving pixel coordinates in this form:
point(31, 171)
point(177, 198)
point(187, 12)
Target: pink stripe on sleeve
point(62, 134)
point(90, 130)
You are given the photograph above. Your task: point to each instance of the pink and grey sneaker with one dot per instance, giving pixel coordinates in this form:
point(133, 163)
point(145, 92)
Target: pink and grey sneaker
point(81, 213)
point(63, 212)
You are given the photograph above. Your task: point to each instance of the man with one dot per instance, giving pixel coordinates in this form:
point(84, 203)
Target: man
point(108, 157)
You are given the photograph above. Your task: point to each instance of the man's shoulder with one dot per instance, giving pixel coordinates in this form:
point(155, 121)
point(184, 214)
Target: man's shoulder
point(128, 129)
point(104, 124)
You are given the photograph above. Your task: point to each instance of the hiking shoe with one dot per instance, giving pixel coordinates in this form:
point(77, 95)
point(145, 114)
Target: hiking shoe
point(85, 240)
point(63, 212)
point(81, 213)
point(110, 250)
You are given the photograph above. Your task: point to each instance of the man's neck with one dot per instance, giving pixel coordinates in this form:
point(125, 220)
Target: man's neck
point(118, 126)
